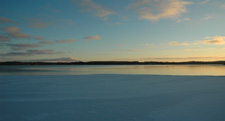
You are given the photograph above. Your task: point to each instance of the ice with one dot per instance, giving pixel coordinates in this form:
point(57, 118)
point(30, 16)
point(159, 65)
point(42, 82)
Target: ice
point(112, 98)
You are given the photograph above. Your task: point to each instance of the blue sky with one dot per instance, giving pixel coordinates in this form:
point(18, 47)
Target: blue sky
point(112, 30)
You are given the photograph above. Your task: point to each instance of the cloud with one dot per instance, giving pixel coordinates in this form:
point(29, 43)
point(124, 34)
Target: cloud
point(66, 59)
point(204, 2)
point(4, 39)
point(187, 58)
point(190, 50)
point(222, 6)
point(154, 10)
point(15, 32)
point(11, 29)
point(37, 23)
point(15, 54)
point(218, 40)
point(4, 20)
point(178, 59)
point(183, 19)
point(177, 43)
point(208, 37)
point(47, 51)
point(58, 41)
point(20, 35)
point(65, 41)
point(97, 9)
point(132, 50)
point(39, 38)
point(147, 45)
point(32, 53)
point(186, 19)
point(22, 46)
point(96, 37)
point(207, 17)
point(105, 19)
point(46, 42)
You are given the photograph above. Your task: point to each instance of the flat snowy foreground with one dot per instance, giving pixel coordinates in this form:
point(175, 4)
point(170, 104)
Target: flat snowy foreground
point(112, 98)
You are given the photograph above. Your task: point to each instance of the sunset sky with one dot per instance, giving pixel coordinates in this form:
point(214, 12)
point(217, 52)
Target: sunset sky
point(112, 30)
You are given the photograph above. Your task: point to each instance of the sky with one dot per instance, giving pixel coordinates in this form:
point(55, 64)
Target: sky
point(112, 30)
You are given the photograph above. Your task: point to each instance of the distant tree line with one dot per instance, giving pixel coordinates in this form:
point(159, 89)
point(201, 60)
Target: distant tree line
point(111, 63)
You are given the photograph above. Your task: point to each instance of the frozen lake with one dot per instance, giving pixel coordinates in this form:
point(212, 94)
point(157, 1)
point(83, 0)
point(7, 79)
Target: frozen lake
point(213, 70)
point(112, 93)
point(112, 98)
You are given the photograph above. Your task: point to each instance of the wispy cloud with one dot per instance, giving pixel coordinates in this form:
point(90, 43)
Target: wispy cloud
point(204, 2)
point(65, 41)
point(154, 10)
point(218, 40)
point(183, 19)
point(66, 59)
point(132, 50)
point(187, 58)
point(207, 17)
point(39, 38)
point(58, 41)
point(4, 20)
point(189, 50)
point(105, 19)
point(32, 53)
point(15, 54)
point(44, 51)
point(15, 32)
point(46, 42)
point(19, 35)
point(222, 6)
point(38, 23)
point(96, 37)
point(22, 46)
point(11, 29)
point(96, 8)
point(4, 39)
point(147, 45)
point(208, 37)
point(177, 43)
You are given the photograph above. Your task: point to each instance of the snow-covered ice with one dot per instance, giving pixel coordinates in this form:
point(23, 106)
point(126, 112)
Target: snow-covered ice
point(112, 98)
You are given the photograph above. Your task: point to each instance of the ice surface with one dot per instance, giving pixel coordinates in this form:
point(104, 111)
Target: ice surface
point(112, 98)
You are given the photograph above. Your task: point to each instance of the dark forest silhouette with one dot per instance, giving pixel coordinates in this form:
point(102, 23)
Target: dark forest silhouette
point(111, 63)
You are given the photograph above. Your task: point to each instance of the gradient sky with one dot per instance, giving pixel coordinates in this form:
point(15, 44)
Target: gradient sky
point(112, 30)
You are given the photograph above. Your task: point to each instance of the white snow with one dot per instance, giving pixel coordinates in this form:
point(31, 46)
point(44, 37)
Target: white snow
point(112, 98)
